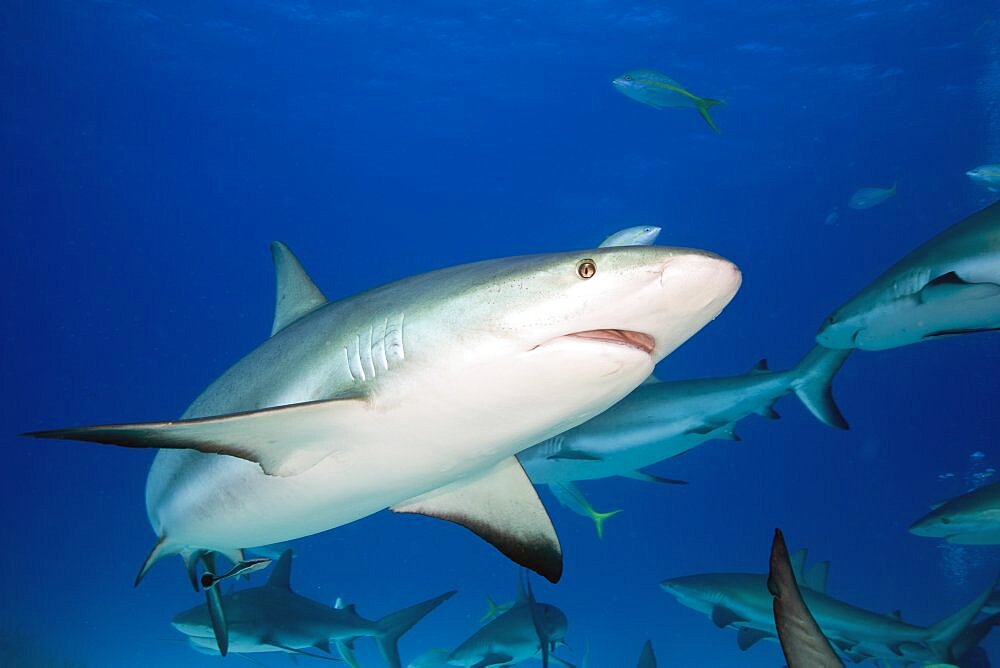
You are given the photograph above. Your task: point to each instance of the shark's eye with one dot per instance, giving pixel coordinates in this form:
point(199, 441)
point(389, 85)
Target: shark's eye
point(586, 268)
point(628, 77)
point(945, 520)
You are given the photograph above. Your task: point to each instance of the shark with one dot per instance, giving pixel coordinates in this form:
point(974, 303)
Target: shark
point(972, 518)
point(415, 396)
point(273, 618)
point(948, 286)
point(660, 420)
point(526, 630)
point(743, 601)
point(802, 641)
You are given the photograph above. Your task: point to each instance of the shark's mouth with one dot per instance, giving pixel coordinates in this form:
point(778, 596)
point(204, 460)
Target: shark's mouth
point(623, 337)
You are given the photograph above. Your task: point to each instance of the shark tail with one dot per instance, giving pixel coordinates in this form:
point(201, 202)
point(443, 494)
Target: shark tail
point(812, 380)
point(390, 628)
point(941, 637)
point(703, 104)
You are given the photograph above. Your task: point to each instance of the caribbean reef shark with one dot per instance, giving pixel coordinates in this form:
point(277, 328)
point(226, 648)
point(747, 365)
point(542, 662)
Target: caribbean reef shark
point(527, 630)
point(970, 519)
point(273, 618)
point(949, 285)
point(660, 420)
point(416, 396)
point(743, 601)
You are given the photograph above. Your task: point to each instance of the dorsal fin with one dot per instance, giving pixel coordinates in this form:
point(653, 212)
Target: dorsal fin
point(295, 293)
point(798, 559)
point(815, 577)
point(281, 575)
point(760, 366)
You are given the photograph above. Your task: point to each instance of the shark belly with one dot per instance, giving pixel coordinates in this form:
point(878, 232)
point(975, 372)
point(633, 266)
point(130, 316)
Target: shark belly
point(413, 442)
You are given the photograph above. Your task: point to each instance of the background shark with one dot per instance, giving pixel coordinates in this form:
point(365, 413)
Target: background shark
point(273, 618)
point(949, 285)
point(415, 396)
point(647, 659)
point(970, 519)
point(659, 420)
point(527, 630)
point(742, 601)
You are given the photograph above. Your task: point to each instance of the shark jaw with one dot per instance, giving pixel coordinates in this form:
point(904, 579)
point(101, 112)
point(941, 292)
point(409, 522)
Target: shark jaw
point(637, 340)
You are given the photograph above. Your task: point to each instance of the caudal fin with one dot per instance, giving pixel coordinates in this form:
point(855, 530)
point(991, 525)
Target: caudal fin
point(703, 105)
point(389, 629)
point(570, 496)
point(941, 637)
point(812, 384)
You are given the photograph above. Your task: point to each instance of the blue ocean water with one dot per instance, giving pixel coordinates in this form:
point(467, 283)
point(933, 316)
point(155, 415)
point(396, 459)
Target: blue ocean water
point(152, 150)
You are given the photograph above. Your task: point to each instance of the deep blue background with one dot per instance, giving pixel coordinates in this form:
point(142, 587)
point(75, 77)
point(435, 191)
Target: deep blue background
point(152, 150)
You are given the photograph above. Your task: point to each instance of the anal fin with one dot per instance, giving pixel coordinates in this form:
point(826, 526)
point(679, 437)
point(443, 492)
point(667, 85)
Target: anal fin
point(502, 507)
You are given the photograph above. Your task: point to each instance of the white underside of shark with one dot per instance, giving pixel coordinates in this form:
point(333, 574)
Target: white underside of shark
point(416, 396)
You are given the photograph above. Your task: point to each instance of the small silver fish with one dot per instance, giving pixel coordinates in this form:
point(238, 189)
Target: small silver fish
point(642, 235)
point(866, 198)
point(987, 176)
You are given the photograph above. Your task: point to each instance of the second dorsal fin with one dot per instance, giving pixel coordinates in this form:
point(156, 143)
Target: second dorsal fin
point(295, 293)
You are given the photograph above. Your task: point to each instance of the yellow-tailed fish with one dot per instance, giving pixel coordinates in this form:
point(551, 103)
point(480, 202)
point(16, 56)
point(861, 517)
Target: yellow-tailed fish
point(986, 175)
point(866, 198)
point(660, 91)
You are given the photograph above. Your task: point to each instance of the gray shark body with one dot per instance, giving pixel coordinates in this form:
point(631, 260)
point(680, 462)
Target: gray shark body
point(659, 420)
point(273, 618)
point(742, 601)
point(950, 285)
point(527, 630)
point(970, 519)
point(415, 396)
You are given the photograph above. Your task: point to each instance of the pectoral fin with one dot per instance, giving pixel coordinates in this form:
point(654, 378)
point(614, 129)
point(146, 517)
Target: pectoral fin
point(747, 637)
point(494, 659)
point(502, 507)
point(723, 617)
point(569, 453)
point(989, 538)
point(952, 287)
point(284, 441)
point(646, 476)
